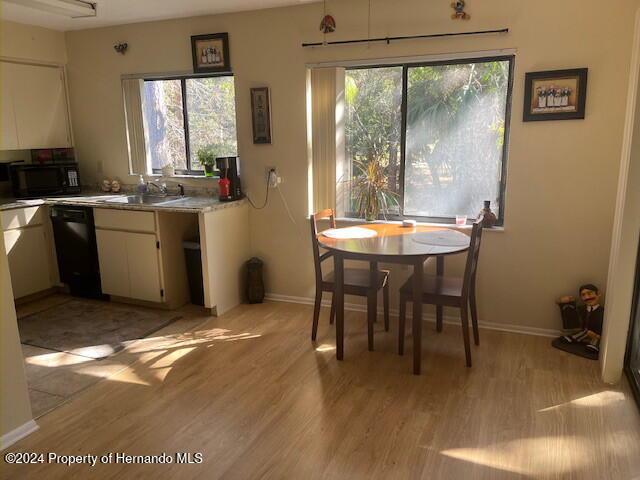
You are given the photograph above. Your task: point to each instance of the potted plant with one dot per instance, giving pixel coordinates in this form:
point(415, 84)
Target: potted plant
point(370, 190)
point(207, 159)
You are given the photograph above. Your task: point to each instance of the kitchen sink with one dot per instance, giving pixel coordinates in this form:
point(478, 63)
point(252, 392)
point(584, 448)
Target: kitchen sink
point(144, 199)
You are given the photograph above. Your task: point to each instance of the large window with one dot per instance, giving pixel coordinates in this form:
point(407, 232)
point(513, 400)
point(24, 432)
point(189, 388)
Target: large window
point(184, 115)
point(434, 136)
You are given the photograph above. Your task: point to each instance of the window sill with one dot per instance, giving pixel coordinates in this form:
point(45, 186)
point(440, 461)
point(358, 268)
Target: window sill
point(195, 177)
point(351, 221)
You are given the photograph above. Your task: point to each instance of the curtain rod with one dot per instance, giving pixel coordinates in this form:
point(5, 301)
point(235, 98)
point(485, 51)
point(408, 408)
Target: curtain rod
point(408, 37)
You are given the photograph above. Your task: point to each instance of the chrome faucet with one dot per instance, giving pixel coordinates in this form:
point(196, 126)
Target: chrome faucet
point(162, 188)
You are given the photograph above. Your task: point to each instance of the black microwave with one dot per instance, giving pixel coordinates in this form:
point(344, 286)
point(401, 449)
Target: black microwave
point(42, 180)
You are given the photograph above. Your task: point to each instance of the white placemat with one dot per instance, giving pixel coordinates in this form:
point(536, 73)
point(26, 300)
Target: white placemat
point(442, 238)
point(349, 232)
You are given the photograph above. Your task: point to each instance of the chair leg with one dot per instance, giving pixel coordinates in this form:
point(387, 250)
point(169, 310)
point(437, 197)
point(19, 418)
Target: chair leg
point(316, 314)
point(385, 300)
point(474, 317)
point(401, 322)
point(372, 313)
point(332, 315)
point(464, 314)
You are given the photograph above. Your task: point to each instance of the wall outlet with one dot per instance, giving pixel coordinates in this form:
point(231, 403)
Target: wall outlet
point(271, 175)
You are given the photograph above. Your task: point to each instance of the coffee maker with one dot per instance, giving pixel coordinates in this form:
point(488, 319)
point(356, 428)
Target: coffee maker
point(229, 168)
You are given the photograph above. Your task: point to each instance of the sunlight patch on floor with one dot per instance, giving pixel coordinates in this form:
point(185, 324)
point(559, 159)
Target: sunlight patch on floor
point(169, 359)
point(601, 399)
point(507, 456)
point(129, 376)
point(325, 347)
point(56, 359)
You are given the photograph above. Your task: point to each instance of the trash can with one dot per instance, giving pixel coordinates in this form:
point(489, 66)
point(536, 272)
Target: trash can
point(255, 284)
point(193, 260)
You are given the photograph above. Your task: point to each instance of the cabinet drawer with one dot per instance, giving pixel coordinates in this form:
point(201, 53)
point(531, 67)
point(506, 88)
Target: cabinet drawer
point(124, 220)
point(21, 217)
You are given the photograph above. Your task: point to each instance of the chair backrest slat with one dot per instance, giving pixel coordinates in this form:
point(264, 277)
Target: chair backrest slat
point(472, 257)
point(313, 220)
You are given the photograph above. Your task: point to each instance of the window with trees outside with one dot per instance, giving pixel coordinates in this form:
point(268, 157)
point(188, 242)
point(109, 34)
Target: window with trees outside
point(184, 115)
point(430, 138)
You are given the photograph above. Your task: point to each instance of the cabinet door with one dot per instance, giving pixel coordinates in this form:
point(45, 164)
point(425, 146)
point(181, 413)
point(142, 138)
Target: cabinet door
point(40, 106)
point(144, 270)
point(112, 257)
point(9, 134)
point(28, 254)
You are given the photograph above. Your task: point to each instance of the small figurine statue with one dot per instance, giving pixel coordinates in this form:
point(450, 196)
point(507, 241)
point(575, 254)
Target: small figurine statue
point(115, 186)
point(459, 13)
point(106, 185)
point(587, 317)
point(489, 218)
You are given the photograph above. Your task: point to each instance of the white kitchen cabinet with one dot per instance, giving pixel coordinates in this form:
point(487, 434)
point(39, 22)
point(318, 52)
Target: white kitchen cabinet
point(8, 131)
point(28, 252)
point(114, 268)
point(34, 107)
point(144, 269)
point(129, 261)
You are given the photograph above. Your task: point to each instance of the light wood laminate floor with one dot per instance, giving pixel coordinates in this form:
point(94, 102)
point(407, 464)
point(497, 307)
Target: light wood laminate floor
point(54, 377)
point(251, 393)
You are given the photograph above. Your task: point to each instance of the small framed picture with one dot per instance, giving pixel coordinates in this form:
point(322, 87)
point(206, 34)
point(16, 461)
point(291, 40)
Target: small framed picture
point(555, 95)
point(210, 53)
point(261, 115)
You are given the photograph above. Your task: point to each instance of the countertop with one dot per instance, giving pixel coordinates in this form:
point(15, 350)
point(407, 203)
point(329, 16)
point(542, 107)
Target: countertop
point(184, 205)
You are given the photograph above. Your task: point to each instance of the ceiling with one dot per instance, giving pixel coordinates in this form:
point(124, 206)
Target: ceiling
point(118, 12)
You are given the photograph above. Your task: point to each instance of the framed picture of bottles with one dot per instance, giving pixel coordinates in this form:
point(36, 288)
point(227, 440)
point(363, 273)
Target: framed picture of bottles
point(210, 53)
point(555, 95)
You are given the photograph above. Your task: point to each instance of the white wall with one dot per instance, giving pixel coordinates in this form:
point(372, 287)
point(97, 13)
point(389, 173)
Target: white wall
point(624, 249)
point(562, 176)
point(27, 43)
point(15, 409)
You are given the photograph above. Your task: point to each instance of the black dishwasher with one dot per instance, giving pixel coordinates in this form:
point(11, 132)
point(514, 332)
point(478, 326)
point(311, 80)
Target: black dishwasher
point(76, 250)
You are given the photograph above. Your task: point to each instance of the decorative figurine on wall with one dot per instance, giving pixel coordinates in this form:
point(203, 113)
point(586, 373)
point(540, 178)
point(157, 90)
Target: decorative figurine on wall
point(328, 24)
point(121, 47)
point(582, 324)
point(459, 13)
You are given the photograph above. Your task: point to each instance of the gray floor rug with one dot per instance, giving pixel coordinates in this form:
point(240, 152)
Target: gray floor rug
point(91, 328)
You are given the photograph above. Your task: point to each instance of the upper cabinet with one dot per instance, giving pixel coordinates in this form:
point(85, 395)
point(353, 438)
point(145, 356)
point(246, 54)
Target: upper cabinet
point(8, 131)
point(33, 107)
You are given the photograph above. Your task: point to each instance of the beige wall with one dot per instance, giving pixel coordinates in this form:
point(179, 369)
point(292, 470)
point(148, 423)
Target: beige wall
point(39, 44)
point(561, 175)
point(31, 43)
point(15, 409)
point(624, 249)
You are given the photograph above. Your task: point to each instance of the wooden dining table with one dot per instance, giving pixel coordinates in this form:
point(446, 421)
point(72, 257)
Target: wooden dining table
point(388, 243)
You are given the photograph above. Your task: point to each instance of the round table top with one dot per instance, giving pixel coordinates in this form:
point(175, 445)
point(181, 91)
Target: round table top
point(394, 240)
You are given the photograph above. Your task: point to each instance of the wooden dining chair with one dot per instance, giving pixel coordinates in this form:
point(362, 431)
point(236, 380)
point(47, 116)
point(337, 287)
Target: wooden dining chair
point(447, 291)
point(356, 280)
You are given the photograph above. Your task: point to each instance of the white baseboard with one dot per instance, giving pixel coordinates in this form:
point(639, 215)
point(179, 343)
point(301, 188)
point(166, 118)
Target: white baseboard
point(16, 434)
point(427, 317)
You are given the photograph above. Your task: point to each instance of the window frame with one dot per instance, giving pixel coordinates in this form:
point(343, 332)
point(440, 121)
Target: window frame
point(185, 118)
point(403, 131)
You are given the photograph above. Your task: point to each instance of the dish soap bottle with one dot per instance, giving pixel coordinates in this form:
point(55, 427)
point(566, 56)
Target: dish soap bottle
point(142, 186)
point(490, 218)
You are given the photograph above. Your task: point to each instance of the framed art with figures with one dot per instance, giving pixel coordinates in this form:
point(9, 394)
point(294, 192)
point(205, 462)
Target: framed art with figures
point(261, 115)
point(210, 53)
point(555, 95)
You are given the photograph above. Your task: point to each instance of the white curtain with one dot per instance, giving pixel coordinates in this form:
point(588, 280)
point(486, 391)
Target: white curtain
point(327, 138)
point(132, 93)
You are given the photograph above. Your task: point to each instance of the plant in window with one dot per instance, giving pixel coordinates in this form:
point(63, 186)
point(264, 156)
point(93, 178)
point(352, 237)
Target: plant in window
point(207, 159)
point(370, 189)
